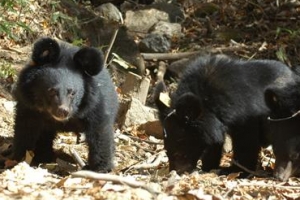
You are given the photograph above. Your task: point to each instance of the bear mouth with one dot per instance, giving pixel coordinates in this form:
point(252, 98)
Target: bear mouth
point(60, 114)
point(60, 118)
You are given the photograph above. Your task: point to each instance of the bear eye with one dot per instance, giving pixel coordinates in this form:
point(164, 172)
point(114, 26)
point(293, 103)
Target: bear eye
point(52, 92)
point(294, 156)
point(71, 92)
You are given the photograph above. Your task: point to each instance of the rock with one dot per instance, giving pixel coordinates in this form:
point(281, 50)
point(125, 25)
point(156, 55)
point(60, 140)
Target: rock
point(109, 12)
point(136, 86)
point(99, 31)
point(155, 43)
point(142, 20)
point(133, 112)
point(168, 29)
point(152, 128)
point(176, 14)
point(96, 3)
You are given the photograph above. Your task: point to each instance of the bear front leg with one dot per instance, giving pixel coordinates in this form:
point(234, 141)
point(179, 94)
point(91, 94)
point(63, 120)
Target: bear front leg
point(101, 148)
point(211, 157)
point(43, 152)
point(27, 130)
point(246, 143)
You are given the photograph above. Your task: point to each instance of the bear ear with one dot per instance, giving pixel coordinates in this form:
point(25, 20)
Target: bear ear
point(188, 106)
point(45, 50)
point(89, 60)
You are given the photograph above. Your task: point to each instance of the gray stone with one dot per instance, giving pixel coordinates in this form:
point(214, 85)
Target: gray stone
point(155, 43)
point(176, 14)
point(139, 114)
point(168, 29)
point(109, 12)
point(142, 20)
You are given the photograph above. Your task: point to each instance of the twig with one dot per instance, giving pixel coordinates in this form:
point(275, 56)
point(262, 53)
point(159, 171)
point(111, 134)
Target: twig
point(269, 185)
point(246, 169)
point(11, 49)
point(144, 149)
point(113, 178)
point(110, 45)
point(180, 55)
point(153, 164)
point(162, 68)
point(77, 158)
point(168, 56)
point(147, 141)
point(112, 41)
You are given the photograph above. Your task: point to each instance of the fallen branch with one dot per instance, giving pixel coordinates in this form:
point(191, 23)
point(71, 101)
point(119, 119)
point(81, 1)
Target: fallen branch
point(246, 169)
point(153, 164)
point(270, 185)
point(162, 68)
point(147, 141)
point(113, 178)
point(77, 158)
point(110, 46)
point(180, 55)
point(168, 56)
point(112, 41)
point(143, 148)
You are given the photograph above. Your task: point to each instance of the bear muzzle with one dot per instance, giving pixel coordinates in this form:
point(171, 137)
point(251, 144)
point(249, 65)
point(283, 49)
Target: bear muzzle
point(62, 113)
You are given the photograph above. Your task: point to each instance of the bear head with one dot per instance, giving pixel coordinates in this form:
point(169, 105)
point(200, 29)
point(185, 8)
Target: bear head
point(56, 80)
point(185, 137)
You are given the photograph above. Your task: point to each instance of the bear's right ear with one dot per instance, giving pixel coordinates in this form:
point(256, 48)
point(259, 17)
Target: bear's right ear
point(188, 106)
point(45, 50)
point(90, 60)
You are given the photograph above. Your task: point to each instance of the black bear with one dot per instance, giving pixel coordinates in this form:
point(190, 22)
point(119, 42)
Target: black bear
point(284, 125)
point(65, 88)
point(286, 146)
point(218, 95)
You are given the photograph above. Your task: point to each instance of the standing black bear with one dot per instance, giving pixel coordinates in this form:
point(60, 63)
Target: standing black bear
point(284, 125)
point(218, 94)
point(65, 88)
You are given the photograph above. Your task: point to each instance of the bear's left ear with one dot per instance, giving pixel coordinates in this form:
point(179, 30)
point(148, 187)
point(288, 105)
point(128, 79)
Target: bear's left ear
point(89, 60)
point(188, 106)
point(45, 50)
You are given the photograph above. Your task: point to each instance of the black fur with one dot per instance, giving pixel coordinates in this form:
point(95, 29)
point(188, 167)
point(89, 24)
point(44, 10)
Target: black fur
point(286, 147)
point(284, 124)
point(218, 94)
point(65, 89)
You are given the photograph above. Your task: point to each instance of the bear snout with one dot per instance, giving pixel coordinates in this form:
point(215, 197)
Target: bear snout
point(62, 113)
point(283, 170)
point(181, 166)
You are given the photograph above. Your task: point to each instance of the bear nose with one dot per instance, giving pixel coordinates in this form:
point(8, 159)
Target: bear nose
point(62, 112)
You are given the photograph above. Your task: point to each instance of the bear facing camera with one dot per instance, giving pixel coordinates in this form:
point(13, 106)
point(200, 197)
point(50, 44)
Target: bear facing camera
point(65, 88)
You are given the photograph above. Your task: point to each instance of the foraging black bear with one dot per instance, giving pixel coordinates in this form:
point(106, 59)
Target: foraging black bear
point(65, 88)
point(218, 94)
point(286, 146)
point(284, 125)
